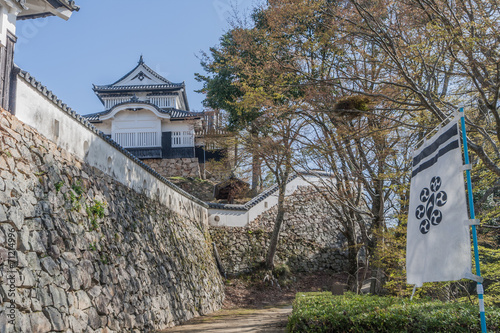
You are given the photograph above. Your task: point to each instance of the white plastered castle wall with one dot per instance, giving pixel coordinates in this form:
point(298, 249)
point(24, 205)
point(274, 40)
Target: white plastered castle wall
point(241, 218)
point(50, 120)
point(135, 118)
point(8, 14)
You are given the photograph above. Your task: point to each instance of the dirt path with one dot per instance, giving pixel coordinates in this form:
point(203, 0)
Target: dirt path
point(270, 320)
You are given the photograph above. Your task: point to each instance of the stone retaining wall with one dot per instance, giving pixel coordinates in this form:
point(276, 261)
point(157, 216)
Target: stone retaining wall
point(309, 240)
point(80, 252)
point(176, 167)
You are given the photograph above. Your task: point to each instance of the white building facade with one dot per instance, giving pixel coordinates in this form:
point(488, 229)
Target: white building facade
point(149, 116)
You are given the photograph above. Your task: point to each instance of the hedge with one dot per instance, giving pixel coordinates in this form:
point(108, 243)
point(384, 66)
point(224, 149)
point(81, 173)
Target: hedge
point(323, 312)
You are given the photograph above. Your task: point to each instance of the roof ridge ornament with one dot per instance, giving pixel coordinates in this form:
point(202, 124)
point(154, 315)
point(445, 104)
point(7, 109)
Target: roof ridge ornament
point(141, 60)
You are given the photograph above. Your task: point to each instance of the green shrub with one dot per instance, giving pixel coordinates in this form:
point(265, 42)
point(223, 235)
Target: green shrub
point(77, 187)
point(322, 312)
point(282, 271)
point(96, 210)
point(58, 185)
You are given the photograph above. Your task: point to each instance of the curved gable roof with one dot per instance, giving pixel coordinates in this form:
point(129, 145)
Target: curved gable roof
point(142, 79)
point(134, 79)
point(171, 112)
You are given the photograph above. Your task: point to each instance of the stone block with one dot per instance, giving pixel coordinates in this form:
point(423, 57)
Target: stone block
point(43, 295)
point(28, 280)
point(3, 214)
point(39, 323)
point(78, 325)
point(56, 320)
point(59, 299)
point(74, 278)
point(22, 323)
point(101, 303)
point(3, 163)
point(47, 222)
point(84, 301)
point(94, 292)
point(23, 299)
point(15, 216)
point(36, 305)
point(49, 265)
point(94, 321)
point(37, 245)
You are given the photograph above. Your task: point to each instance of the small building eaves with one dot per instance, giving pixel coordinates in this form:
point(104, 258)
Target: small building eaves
point(93, 117)
point(174, 114)
point(71, 5)
point(106, 88)
point(180, 114)
point(43, 8)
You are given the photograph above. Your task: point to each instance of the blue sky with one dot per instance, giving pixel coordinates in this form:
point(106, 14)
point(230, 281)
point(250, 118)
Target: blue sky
point(103, 41)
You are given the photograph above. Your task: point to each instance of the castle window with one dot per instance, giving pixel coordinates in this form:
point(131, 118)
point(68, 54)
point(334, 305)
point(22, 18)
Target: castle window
point(85, 147)
point(162, 101)
point(138, 139)
point(56, 128)
point(112, 101)
point(183, 139)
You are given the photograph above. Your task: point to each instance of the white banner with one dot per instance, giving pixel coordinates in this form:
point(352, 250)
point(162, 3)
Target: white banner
point(438, 244)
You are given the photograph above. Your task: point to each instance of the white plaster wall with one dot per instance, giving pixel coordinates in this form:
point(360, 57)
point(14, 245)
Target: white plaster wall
point(133, 122)
point(227, 218)
point(131, 116)
point(8, 16)
point(166, 126)
point(239, 218)
point(272, 200)
point(104, 127)
point(175, 126)
point(37, 111)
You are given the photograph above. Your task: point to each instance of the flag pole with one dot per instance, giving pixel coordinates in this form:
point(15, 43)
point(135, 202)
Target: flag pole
point(480, 290)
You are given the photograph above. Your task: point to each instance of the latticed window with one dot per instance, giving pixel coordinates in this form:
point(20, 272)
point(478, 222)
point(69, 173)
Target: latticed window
point(138, 139)
point(162, 101)
point(109, 103)
point(183, 139)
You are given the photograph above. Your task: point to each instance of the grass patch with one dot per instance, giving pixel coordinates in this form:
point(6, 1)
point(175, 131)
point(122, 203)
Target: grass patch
point(323, 312)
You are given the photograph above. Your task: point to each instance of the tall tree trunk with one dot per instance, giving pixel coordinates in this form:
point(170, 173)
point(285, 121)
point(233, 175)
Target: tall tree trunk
point(378, 221)
point(256, 164)
point(352, 264)
point(235, 160)
point(256, 170)
point(273, 245)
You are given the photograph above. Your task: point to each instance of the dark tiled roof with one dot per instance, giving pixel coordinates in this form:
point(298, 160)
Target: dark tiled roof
point(174, 113)
point(53, 98)
point(138, 87)
point(94, 117)
point(264, 195)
